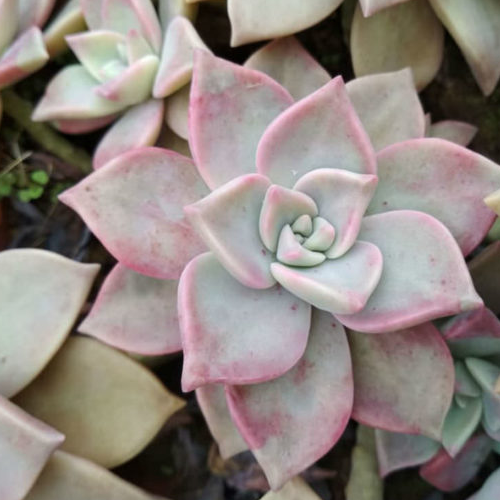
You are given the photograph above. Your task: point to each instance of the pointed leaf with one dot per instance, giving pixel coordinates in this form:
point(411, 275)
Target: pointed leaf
point(147, 234)
point(392, 39)
point(295, 489)
point(286, 61)
point(388, 107)
point(41, 294)
point(465, 386)
point(450, 474)
point(135, 313)
point(70, 477)
point(230, 108)
point(176, 111)
point(213, 306)
point(424, 276)
point(286, 441)
point(261, 20)
point(176, 64)
point(25, 446)
point(320, 131)
point(295, 254)
point(108, 406)
point(393, 373)
point(139, 127)
point(228, 222)
point(370, 7)
point(397, 451)
point(339, 286)
point(442, 179)
point(460, 133)
point(212, 401)
point(168, 9)
point(83, 126)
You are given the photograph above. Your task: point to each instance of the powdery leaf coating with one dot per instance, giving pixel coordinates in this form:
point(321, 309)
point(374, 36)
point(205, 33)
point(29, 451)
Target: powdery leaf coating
point(25, 446)
point(267, 414)
point(213, 306)
point(148, 234)
point(379, 101)
point(108, 406)
point(342, 198)
point(485, 273)
point(34, 12)
point(68, 477)
point(230, 109)
point(397, 451)
point(168, 9)
point(416, 285)
point(308, 136)
point(450, 474)
point(227, 220)
point(41, 294)
point(9, 14)
point(392, 39)
point(339, 286)
point(295, 489)
point(139, 127)
point(135, 313)
point(176, 111)
point(370, 7)
point(213, 405)
point(475, 29)
point(286, 61)
point(83, 126)
point(181, 39)
point(442, 179)
point(393, 374)
point(490, 489)
point(460, 133)
point(264, 19)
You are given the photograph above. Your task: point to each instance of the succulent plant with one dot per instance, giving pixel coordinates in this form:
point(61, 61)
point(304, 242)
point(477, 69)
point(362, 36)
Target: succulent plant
point(96, 404)
point(128, 65)
point(308, 229)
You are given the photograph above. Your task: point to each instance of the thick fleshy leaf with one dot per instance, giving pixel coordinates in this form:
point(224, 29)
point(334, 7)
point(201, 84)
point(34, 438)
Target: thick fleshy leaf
point(34, 12)
point(405, 35)
point(99, 52)
point(286, 61)
point(284, 440)
point(293, 253)
point(92, 12)
point(212, 401)
point(213, 306)
point(442, 179)
point(262, 20)
point(148, 234)
point(424, 276)
point(108, 406)
point(83, 126)
point(176, 64)
point(139, 127)
point(465, 384)
point(25, 446)
point(68, 477)
point(135, 313)
point(475, 30)
point(370, 7)
point(176, 111)
point(71, 95)
point(133, 85)
point(460, 133)
point(485, 272)
point(41, 294)
point(490, 489)
point(460, 424)
point(230, 108)
point(388, 107)
point(282, 206)
point(392, 376)
point(295, 489)
point(493, 201)
point(342, 198)
point(339, 286)
point(397, 451)
point(23, 57)
point(9, 15)
point(320, 131)
point(168, 9)
point(450, 474)
point(228, 222)
point(138, 15)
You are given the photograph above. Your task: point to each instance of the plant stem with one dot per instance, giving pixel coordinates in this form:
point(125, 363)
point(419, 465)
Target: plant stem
point(364, 480)
point(20, 110)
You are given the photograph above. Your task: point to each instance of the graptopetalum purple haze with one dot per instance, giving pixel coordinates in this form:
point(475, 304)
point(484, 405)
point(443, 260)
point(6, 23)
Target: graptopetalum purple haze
point(319, 211)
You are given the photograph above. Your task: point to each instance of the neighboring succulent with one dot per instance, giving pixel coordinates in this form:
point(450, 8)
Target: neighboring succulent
point(128, 63)
point(105, 406)
point(290, 242)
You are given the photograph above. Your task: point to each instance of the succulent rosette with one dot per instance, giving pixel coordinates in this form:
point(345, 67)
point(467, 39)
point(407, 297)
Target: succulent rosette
point(70, 407)
point(329, 211)
point(128, 63)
